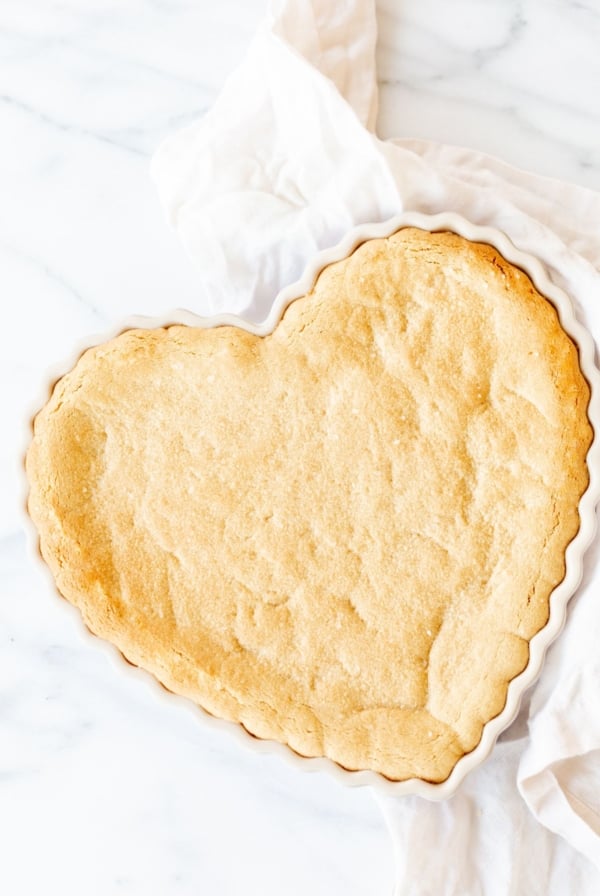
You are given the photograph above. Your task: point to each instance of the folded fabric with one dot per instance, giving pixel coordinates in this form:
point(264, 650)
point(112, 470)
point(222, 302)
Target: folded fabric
point(283, 165)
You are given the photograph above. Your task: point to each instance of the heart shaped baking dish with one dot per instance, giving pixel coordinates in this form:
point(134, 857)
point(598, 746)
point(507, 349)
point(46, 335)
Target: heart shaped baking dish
point(397, 718)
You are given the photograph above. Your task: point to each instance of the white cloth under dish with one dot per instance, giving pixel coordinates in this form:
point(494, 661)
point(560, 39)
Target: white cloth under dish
point(283, 165)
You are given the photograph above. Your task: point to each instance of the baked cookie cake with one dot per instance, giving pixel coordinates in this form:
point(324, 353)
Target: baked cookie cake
point(341, 535)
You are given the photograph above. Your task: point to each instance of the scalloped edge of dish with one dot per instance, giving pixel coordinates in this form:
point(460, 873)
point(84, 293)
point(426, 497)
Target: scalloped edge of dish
point(574, 553)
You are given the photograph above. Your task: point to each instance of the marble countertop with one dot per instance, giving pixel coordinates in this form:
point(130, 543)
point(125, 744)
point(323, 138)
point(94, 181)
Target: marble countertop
point(101, 790)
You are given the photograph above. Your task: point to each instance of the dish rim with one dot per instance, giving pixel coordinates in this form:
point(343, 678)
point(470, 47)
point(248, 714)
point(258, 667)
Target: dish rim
point(560, 596)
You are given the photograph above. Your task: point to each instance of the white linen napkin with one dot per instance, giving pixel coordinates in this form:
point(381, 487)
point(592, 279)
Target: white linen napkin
point(283, 165)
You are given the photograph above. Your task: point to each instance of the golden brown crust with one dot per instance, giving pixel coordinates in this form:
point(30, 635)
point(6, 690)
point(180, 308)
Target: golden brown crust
point(342, 535)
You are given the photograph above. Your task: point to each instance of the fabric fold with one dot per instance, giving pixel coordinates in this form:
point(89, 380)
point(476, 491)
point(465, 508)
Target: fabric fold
point(282, 166)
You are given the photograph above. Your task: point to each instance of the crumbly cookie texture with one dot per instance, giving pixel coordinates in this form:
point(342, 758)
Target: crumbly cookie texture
point(344, 534)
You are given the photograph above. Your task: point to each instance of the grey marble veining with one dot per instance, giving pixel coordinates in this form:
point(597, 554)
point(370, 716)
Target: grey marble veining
point(516, 78)
point(101, 791)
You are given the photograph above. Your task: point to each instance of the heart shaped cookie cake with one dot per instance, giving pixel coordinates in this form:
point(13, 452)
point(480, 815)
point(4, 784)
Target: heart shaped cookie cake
point(341, 535)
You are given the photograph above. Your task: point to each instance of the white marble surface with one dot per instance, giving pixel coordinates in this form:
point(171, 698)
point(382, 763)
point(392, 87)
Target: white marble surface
point(101, 790)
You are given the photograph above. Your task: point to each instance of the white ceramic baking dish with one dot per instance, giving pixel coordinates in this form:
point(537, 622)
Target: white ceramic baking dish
point(574, 553)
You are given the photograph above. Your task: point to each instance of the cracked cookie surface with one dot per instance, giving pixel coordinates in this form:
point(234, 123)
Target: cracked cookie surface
point(344, 534)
